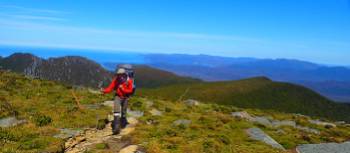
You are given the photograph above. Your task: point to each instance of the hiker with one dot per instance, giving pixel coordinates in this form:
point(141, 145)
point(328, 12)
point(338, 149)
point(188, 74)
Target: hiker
point(123, 84)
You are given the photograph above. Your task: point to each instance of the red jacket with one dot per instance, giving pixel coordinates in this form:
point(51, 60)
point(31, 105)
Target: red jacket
point(123, 89)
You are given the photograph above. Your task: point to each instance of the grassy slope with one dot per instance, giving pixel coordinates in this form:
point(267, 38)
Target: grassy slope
point(149, 77)
point(214, 130)
point(256, 93)
point(38, 101)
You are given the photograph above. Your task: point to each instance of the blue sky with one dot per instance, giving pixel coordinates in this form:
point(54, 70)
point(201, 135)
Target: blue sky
point(317, 31)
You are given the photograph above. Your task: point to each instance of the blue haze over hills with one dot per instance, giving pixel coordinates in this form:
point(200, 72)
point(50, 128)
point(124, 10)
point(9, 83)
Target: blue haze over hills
point(330, 81)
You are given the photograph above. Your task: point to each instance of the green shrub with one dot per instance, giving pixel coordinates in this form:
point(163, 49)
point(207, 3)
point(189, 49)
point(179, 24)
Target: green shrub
point(42, 120)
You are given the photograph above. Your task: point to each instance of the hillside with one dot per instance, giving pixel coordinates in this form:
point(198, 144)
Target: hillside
point(42, 108)
point(259, 93)
point(73, 70)
point(215, 68)
point(76, 70)
point(51, 121)
point(148, 77)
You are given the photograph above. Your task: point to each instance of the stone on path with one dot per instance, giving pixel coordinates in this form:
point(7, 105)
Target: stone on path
point(10, 122)
point(258, 134)
point(90, 137)
point(129, 149)
point(68, 133)
point(130, 128)
point(324, 148)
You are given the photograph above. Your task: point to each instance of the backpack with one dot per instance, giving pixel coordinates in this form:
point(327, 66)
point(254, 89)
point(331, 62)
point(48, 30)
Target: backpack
point(130, 73)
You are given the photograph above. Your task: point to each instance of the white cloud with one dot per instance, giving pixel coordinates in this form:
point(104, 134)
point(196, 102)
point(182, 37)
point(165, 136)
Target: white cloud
point(32, 10)
point(24, 13)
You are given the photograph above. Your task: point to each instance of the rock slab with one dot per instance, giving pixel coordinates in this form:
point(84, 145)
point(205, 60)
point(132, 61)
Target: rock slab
point(259, 135)
point(324, 148)
point(11, 121)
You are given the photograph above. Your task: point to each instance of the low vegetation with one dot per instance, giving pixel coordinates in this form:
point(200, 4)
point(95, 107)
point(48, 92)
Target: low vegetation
point(48, 106)
point(213, 129)
point(260, 93)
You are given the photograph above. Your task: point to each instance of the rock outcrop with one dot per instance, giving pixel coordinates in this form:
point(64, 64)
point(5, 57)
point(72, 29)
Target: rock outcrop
point(11, 121)
point(259, 135)
point(324, 148)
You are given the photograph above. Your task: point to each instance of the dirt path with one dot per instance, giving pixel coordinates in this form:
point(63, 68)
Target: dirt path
point(93, 139)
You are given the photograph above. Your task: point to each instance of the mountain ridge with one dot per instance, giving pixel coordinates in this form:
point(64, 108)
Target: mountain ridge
point(81, 71)
point(258, 92)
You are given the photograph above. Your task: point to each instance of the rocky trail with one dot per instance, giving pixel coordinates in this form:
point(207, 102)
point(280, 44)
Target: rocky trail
point(103, 139)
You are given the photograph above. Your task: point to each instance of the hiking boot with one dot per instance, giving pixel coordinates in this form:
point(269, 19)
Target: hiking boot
point(116, 125)
point(124, 122)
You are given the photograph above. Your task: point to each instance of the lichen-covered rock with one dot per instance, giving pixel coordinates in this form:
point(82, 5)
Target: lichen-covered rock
point(262, 120)
point(307, 129)
point(11, 121)
point(321, 123)
point(242, 115)
point(68, 133)
point(277, 123)
point(324, 148)
point(259, 135)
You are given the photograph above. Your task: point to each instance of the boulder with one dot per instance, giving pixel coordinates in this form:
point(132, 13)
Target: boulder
point(11, 121)
point(307, 129)
point(68, 133)
point(324, 148)
point(277, 123)
point(259, 135)
point(242, 115)
point(321, 123)
point(262, 120)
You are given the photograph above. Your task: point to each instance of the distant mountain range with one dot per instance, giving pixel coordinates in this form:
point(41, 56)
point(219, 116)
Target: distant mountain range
point(258, 92)
point(331, 81)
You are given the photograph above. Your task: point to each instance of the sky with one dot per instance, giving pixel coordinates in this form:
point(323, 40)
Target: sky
point(316, 31)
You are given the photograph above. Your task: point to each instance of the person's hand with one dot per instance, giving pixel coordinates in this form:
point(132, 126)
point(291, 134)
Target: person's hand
point(121, 87)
